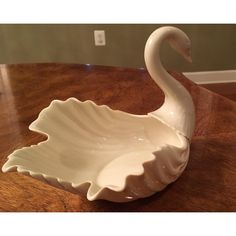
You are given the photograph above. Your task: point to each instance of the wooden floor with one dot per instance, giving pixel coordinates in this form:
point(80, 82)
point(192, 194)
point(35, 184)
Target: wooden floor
point(226, 89)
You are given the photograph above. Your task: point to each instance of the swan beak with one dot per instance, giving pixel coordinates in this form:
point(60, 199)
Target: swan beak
point(189, 58)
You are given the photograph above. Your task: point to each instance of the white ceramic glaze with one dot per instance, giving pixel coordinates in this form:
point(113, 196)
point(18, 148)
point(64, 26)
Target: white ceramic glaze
point(178, 109)
point(113, 155)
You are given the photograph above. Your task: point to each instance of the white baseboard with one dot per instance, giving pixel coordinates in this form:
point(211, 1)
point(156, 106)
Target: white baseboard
point(212, 77)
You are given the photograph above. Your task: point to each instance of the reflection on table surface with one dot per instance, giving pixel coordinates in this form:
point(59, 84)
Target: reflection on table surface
point(207, 184)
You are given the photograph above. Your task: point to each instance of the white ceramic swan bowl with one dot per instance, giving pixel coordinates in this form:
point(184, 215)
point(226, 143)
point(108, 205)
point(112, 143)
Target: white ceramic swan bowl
point(111, 154)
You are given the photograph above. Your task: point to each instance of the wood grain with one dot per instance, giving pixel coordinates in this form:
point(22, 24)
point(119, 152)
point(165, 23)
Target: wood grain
point(226, 89)
point(207, 184)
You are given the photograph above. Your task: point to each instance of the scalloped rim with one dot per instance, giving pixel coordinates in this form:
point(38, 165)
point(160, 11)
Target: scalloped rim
point(90, 184)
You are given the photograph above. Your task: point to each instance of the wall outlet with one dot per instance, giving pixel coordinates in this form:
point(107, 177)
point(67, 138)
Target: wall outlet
point(99, 38)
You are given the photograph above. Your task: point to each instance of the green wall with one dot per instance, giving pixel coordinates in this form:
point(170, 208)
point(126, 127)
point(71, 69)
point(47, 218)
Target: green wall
point(213, 46)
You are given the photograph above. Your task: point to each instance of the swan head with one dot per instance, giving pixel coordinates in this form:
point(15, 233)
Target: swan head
point(180, 42)
point(177, 39)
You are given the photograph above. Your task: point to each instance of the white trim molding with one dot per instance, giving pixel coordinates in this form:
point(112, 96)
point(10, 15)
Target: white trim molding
point(212, 77)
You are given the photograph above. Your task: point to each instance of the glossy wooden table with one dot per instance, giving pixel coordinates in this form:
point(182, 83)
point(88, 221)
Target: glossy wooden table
point(207, 184)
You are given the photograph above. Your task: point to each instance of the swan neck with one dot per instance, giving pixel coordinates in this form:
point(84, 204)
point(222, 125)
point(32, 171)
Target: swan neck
point(156, 69)
point(177, 110)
